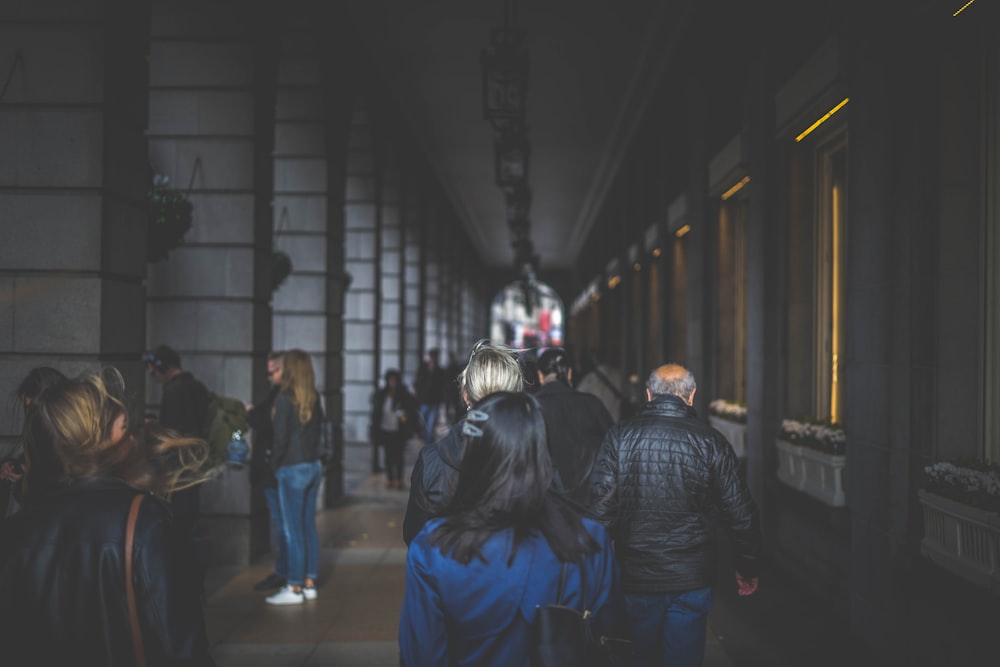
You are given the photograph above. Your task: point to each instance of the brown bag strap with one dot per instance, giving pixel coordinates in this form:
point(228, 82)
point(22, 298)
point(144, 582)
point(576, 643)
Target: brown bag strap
point(133, 613)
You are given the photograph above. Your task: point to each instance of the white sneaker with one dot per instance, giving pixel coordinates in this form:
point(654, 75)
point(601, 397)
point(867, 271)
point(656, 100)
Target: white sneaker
point(286, 596)
point(309, 592)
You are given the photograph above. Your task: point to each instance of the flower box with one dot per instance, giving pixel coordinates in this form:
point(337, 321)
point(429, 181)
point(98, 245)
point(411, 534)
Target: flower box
point(814, 472)
point(735, 432)
point(962, 539)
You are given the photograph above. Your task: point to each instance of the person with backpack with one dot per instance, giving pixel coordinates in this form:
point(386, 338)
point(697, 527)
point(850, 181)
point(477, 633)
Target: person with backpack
point(183, 408)
point(295, 459)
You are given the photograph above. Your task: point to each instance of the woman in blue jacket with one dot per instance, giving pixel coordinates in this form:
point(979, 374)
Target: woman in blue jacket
point(476, 576)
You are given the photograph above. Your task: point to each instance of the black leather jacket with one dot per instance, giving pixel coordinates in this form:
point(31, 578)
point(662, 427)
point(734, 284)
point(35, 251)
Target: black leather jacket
point(62, 582)
point(575, 423)
point(662, 483)
point(433, 481)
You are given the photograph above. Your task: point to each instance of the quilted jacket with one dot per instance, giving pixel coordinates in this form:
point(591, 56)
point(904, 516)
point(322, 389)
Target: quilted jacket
point(663, 483)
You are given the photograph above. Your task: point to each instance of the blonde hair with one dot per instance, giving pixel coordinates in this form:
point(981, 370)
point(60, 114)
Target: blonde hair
point(69, 435)
point(298, 379)
point(491, 368)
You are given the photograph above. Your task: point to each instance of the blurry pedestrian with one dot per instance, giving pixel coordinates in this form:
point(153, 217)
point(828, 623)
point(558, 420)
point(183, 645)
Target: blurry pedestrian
point(394, 418)
point(259, 420)
point(574, 421)
point(12, 468)
point(430, 390)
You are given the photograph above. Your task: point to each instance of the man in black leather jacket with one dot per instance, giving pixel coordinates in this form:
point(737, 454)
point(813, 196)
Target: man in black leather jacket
point(663, 482)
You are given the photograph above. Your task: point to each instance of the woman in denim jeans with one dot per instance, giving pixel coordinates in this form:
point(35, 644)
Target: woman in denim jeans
point(298, 417)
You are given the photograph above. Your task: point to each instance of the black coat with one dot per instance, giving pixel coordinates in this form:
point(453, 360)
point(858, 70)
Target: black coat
point(663, 482)
point(575, 424)
point(401, 400)
point(259, 420)
point(184, 405)
point(294, 442)
point(62, 582)
point(433, 481)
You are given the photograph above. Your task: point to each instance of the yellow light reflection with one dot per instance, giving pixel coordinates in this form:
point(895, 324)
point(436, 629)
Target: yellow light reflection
point(682, 231)
point(613, 281)
point(963, 7)
point(656, 252)
point(736, 188)
point(836, 278)
point(822, 119)
point(637, 266)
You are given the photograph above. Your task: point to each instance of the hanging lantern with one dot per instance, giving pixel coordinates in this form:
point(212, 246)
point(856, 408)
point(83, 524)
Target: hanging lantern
point(505, 73)
point(511, 159)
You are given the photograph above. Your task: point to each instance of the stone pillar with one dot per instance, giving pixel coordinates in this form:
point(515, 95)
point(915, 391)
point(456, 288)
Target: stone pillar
point(73, 183)
point(766, 249)
point(361, 210)
point(211, 129)
point(411, 231)
point(390, 269)
point(698, 249)
point(300, 200)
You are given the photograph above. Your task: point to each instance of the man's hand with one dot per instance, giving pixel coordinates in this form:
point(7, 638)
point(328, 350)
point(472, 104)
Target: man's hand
point(746, 586)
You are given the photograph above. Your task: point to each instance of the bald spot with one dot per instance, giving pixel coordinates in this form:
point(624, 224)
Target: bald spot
point(670, 372)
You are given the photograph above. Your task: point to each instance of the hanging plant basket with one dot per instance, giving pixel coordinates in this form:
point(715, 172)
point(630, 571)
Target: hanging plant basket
point(169, 220)
point(281, 268)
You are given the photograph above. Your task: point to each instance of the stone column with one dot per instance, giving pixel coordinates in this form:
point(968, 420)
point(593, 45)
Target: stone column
point(73, 183)
point(361, 210)
point(211, 130)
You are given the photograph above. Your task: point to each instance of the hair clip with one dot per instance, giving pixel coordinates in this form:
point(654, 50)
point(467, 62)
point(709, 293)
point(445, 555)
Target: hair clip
point(468, 428)
point(476, 416)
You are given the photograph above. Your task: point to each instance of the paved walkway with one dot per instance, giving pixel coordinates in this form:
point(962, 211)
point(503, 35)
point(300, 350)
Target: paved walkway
point(355, 620)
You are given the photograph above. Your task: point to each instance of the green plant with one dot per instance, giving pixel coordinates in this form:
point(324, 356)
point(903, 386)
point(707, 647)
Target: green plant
point(281, 268)
point(170, 215)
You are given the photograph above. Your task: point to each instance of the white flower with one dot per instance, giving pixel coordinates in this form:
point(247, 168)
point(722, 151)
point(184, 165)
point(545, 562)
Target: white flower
point(965, 479)
point(728, 410)
point(824, 435)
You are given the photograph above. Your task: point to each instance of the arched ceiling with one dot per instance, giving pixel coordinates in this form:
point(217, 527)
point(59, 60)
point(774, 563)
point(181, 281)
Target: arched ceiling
point(593, 65)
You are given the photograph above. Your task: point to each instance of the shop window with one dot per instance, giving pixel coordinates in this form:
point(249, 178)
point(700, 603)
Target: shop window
point(830, 279)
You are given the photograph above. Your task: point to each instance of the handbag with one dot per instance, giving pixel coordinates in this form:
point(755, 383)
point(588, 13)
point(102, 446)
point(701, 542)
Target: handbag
point(133, 613)
point(564, 636)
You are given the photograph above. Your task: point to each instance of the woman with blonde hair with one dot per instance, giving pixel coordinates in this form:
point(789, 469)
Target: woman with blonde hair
point(63, 558)
point(491, 368)
point(298, 418)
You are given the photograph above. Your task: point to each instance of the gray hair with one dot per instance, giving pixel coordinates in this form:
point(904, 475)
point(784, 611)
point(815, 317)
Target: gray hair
point(491, 368)
point(680, 386)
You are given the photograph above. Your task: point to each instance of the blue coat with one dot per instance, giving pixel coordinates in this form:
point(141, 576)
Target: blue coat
point(481, 613)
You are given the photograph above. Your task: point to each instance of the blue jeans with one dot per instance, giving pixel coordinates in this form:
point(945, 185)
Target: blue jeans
point(298, 486)
point(277, 530)
point(428, 419)
point(669, 628)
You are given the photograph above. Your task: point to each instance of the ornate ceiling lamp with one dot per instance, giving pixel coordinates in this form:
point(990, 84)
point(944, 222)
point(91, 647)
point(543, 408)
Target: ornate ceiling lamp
point(505, 73)
point(505, 84)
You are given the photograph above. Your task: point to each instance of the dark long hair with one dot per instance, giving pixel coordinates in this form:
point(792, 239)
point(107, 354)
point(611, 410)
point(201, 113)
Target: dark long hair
point(504, 482)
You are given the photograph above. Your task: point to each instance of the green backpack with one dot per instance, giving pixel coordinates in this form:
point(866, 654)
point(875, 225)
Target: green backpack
point(224, 417)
